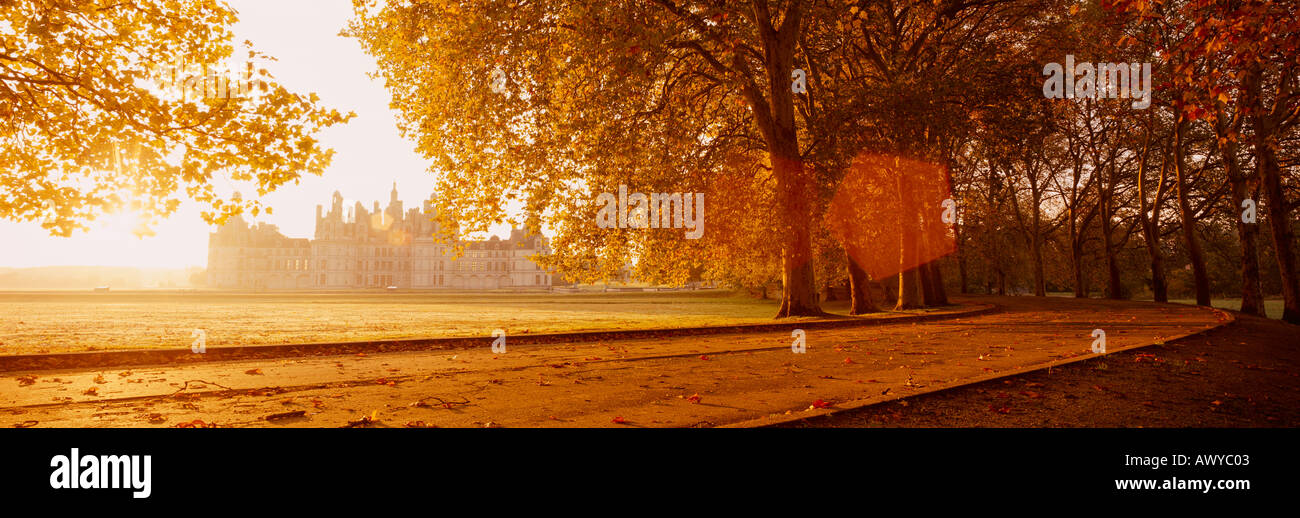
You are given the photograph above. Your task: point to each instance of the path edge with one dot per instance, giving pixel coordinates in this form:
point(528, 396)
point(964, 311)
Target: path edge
point(1226, 322)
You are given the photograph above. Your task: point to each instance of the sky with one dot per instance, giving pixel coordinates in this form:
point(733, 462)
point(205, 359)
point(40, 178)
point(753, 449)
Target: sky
point(369, 153)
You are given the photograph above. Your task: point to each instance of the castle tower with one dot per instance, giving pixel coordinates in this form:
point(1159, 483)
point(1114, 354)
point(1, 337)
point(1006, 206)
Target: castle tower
point(394, 210)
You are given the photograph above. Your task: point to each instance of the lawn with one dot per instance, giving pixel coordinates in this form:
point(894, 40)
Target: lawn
point(1272, 307)
point(47, 322)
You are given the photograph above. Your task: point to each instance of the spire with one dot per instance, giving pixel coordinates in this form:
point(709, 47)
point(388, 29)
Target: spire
point(394, 194)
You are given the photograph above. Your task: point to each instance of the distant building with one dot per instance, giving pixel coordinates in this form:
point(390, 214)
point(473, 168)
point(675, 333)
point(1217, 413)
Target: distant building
point(375, 249)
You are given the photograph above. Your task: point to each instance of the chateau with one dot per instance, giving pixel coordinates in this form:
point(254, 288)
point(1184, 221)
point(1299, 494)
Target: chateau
point(369, 249)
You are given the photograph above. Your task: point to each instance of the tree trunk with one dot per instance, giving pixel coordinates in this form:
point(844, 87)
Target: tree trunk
point(927, 285)
point(860, 291)
point(799, 293)
point(1076, 260)
point(908, 294)
point(923, 275)
point(1114, 288)
point(1036, 245)
point(1270, 174)
point(1194, 252)
point(936, 280)
point(909, 241)
point(961, 261)
point(1280, 226)
point(1151, 222)
point(1151, 235)
point(1252, 295)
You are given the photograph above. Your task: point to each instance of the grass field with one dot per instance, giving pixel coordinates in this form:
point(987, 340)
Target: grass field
point(49, 322)
point(52, 321)
point(1272, 307)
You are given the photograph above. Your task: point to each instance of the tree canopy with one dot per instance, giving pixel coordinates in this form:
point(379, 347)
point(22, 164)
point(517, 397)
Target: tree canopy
point(93, 116)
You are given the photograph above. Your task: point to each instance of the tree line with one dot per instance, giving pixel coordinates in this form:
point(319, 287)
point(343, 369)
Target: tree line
point(1088, 195)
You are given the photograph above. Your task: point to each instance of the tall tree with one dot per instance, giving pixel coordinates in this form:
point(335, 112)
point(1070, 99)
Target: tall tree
point(588, 77)
point(95, 113)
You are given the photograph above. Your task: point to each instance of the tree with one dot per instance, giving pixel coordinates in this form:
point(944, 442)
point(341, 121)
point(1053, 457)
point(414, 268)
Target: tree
point(918, 74)
point(88, 124)
point(667, 84)
point(1250, 47)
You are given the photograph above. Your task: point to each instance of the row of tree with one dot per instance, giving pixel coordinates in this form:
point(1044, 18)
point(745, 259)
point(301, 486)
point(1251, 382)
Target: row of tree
point(697, 96)
point(1128, 199)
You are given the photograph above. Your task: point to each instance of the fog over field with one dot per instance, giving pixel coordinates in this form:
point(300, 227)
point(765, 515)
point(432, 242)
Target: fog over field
point(90, 277)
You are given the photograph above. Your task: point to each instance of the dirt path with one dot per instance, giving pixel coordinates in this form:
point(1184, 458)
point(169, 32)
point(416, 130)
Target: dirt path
point(1243, 375)
point(668, 382)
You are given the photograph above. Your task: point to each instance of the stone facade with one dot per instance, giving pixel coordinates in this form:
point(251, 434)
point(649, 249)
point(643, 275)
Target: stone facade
point(369, 249)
